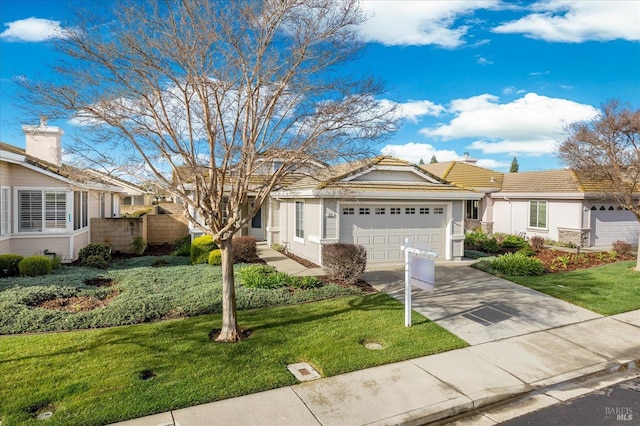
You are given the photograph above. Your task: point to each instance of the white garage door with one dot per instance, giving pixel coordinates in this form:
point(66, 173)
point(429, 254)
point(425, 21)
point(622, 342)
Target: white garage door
point(383, 229)
point(609, 224)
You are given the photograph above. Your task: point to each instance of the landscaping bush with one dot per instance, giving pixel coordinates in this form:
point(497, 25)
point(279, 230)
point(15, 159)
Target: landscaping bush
point(34, 266)
point(138, 245)
point(183, 246)
point(200, 249)
point(513, 242)
point(101, 250)
point(244, 249)
point(490, 246)
point(344, 262)
point(95, 261)
point(527, 251)
point(306, 282)
point(56, 262)
point(266, 277)
point(536, 243)
point(278, 247)
point(215, 257)
point(621, 247)
point(517, 264)
point(474, 239)
point(9, 265)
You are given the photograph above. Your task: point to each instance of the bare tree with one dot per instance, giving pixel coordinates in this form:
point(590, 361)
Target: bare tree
point(202, 93)
point(606, 151)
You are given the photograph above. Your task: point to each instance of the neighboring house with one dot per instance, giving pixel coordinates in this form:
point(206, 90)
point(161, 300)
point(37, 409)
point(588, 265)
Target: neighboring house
point(554, 204)
point(133, 197)
point(377, 203)
point(46, 207)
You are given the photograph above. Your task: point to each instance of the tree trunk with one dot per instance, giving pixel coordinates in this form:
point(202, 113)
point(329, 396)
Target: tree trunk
point(230, 331)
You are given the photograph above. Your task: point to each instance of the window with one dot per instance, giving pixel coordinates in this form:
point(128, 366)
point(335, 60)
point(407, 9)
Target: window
point(410, 210)
point(395, 210)
point(538, 214)
point(41, 210)
point(438, 210)
point(348, 210)
point(381, 210)
point(300, 219)
point(471, 209)
point(364, 210)
point(424, 210)
point(80, 209)
point(5, 208)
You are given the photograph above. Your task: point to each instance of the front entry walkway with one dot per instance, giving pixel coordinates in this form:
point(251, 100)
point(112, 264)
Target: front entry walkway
point(476, 306)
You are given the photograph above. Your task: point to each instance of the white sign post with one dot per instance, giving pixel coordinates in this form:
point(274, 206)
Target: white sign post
point(419, 271)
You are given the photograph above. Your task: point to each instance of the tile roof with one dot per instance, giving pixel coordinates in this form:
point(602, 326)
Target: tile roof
point(466, 175)
point(547, 181)
point(44, 165)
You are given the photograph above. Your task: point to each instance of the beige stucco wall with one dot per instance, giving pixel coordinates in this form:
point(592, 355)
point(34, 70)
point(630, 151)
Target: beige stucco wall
point(117, 232)
point(165, 228)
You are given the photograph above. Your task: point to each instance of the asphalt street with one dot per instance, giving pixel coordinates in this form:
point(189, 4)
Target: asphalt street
point(614, 405)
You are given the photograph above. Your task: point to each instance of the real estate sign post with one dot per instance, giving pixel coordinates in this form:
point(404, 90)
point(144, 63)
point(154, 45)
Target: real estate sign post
point(419, 271)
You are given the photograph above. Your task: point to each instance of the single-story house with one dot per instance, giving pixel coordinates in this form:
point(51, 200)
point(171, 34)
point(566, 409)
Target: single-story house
point(46, 207)
point(555, 204)
point(133, 197)
point(377, 203)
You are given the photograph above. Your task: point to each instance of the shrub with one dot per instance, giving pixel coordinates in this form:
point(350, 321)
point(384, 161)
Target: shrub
point(474, 239)
point(278, 247)
point(490, 246)
point(95, 261)
point(513, 242)
point(200, 249)
point(183, 246)
point(138, 245)
point(344, 262)
point(215, 257)
point(306, 282)
point(244, 249)
point(9, 265)
point(536, 243)
point(101, 250)
point(56, 261)
point(621, 247)
point(34, 266)
point(258, 276)
point(527, 251)
point(517, 264)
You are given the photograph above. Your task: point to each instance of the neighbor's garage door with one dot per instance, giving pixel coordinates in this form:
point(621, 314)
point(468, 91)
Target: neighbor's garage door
point(383, 229)
point(609, 224)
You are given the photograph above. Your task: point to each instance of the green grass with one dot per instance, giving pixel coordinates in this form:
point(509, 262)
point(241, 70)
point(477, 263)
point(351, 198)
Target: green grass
point(144, 294)
point(608, 289)
point(93, 377)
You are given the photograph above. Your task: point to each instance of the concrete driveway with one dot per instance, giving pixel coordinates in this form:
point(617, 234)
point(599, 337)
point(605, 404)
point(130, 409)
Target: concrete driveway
point(476, 306)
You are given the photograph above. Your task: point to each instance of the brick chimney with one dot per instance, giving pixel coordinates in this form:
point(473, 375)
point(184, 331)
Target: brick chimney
point(44, 142)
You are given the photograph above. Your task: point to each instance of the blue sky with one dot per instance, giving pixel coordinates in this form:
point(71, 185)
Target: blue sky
point(491, 78)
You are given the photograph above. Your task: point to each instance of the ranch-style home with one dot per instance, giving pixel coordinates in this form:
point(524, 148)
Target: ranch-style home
point(555, 204)
point(46, 207)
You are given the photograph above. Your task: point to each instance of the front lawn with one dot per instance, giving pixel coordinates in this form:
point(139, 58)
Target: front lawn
point(131, 292)
point(98, 376)
point(608, 289)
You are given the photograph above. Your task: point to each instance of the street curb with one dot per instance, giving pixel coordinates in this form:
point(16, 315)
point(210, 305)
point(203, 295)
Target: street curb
point(584, 374)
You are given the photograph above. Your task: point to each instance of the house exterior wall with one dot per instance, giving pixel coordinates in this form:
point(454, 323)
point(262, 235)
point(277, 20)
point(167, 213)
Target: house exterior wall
point(31, 245)
point(22, 176)
point(457, 229)
point(512, 217)
point(309, 248)
point(330, 219)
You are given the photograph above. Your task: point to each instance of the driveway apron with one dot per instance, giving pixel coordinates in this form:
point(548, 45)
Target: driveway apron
point(476, 306)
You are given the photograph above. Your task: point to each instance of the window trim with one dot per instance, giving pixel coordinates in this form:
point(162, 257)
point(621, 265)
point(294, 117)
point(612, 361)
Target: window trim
point(43, 206)
point(546, 215)
point(5, 211)
point(298, 222)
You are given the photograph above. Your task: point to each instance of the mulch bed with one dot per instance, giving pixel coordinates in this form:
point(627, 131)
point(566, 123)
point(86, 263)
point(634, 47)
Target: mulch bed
point(76, 303)
point(364, 286)
point(304, 262)
point(562, 261)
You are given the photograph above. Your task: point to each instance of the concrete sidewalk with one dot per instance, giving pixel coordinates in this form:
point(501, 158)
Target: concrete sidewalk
point(284, 264)
point(434, 387)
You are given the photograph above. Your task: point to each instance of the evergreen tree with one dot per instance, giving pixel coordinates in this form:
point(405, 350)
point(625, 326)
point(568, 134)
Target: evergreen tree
point(421, 162)
point(433, 159)
point(514, 166)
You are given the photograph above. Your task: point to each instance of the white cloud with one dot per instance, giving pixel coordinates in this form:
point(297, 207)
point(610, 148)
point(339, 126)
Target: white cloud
point(31, 30)
point(417, 23)
point(413, 152)
point(489, 163)
point(532, 124)
point(412, 110)
point(576, 21)
point(484, 61)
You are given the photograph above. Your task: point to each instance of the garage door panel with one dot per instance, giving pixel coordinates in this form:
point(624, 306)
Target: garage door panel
point(382, 235)
point(608, 226)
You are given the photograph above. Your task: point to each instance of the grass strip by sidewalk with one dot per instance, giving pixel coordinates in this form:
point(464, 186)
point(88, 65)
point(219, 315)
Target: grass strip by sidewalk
point(608, 290)
point(94, 377)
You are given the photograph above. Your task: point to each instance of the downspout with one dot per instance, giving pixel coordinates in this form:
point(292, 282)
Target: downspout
point(510, 214)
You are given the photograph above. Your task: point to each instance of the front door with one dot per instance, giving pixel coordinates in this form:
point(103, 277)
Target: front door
point(256, 230)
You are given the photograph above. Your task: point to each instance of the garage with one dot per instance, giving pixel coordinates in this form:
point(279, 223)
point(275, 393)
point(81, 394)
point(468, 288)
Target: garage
point(382, 229)
point(609, 224)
